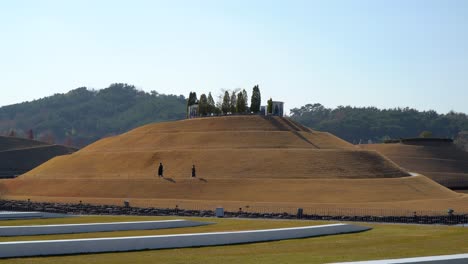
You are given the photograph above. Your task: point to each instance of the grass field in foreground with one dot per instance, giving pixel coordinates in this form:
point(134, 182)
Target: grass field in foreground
point(383, 241)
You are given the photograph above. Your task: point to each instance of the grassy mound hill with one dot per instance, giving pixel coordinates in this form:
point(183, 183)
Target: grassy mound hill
point(222, 147)
point(441, 161)
point(19, 155)
point(240, 160)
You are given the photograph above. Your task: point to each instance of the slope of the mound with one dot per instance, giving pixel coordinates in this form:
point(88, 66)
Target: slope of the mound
point(443, 162)
point(220, 132)
point(10, 143)
point(253, 190)
point(239, 159)
point(223, 147)
point(414, 193)
point(290, 163)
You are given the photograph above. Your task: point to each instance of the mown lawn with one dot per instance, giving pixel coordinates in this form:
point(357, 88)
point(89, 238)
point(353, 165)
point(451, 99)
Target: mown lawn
point(383, 241)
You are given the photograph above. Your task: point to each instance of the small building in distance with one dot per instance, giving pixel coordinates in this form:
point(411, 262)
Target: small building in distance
point(193, 111)
point(277, 108)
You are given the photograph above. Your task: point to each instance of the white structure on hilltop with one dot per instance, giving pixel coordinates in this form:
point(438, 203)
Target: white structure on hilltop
point(193, 111)
point(277, 108)
point(263, 110)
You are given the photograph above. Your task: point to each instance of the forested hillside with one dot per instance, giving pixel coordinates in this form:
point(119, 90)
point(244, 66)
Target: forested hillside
point(361, 124)
point(82, 116)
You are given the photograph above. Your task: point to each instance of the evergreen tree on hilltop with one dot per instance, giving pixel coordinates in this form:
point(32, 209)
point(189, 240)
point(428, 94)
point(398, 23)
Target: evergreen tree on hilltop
point(255, 100)
point(240, 103)
point(233, 102)
point(191, 101)
point(270, 106)
point(226, 106)
point(203, 105)
point(246, 99)
point(211, 104)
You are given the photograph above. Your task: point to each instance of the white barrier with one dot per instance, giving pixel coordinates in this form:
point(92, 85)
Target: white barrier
point(97, 245)
point(7, 215)
point(94, 227)
point(446, 259)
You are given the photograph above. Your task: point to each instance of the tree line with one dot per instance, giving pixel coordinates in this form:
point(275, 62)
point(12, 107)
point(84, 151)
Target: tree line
point(364, 124)
point(83, 115)
point(229, 102)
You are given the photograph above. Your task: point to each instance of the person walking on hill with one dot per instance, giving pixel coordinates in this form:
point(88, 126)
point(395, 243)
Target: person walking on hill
point(160, 170)
point(193, 171)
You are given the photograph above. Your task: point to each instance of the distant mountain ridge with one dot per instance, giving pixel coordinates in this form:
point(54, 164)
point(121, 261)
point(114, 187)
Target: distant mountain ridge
point(364, 124)
point(82, 116)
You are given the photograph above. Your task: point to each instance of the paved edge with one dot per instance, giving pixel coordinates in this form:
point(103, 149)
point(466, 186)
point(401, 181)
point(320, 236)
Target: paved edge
point(122, 244)
point(451, 259)
point(9, 215)
point(95, 227)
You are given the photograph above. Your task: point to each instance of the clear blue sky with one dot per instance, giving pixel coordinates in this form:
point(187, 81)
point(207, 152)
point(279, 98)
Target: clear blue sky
point(360, 53)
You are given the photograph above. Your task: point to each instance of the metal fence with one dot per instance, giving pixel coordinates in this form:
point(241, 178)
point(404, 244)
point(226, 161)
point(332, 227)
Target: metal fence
point(448, 217)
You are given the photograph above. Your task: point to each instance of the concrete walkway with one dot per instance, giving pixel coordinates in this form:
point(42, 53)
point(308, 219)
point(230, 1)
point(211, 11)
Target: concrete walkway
point(94, 227)
point(8, 215)
point(118, 244)
point(446, 259)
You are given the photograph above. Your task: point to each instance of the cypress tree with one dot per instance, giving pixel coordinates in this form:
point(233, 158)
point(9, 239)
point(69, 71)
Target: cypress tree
point(270, 106)
point(255, 100)
point(233, 103)
point(191, 100)
point(246, 99)
point(226, 106)
point(203, 105)
point(211, 104)
point(240, 107)
point(188, 104)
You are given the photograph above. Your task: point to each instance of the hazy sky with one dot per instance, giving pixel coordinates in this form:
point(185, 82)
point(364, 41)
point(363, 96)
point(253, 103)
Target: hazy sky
point(362, 53)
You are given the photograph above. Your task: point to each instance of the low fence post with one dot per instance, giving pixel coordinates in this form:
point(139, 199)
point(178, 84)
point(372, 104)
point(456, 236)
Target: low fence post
point(300, 212)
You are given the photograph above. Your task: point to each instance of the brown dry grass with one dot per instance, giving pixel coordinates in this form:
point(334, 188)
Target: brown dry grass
point(233, 147)
point(240, 160)
point(228, 163)
point(248, 190)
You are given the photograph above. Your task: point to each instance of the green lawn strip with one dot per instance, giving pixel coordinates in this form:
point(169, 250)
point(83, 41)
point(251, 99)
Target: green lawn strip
point(220, 225)
point(384, 241)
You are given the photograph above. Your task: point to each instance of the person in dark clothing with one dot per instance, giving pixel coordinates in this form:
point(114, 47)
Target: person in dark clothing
point(193, 171)
point(160, 170)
